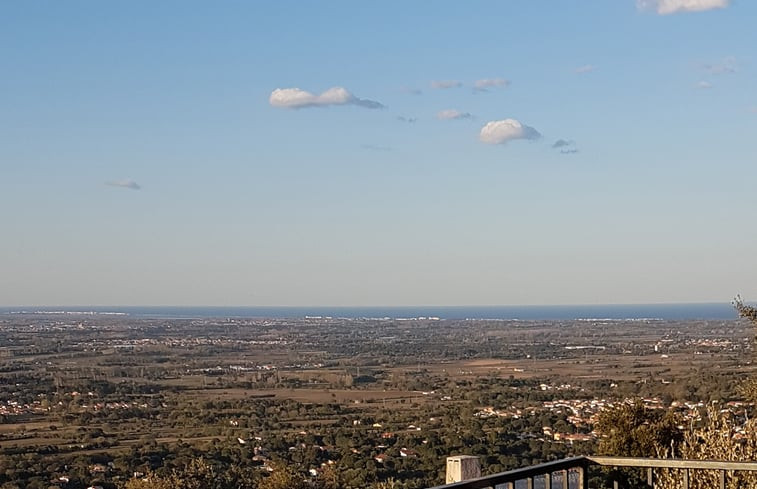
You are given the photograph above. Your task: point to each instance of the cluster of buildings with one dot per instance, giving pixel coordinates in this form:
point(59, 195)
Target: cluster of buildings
point(42, 406)
point(15, 408)
point(583, 414)
point(174, 342)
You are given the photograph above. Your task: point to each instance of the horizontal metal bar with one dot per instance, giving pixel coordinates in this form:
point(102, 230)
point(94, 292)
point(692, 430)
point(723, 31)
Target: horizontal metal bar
point(673, 463)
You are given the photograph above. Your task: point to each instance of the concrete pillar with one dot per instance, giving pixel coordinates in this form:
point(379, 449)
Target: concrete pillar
point(462, 468)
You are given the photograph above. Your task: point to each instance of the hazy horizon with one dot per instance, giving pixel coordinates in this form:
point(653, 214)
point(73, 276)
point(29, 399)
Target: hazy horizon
point(358, 306)
point(689, 311)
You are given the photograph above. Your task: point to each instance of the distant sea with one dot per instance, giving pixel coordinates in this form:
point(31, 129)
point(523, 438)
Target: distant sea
point(573, 312)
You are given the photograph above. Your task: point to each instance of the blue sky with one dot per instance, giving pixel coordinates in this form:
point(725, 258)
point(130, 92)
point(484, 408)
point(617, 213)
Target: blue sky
point(382, 153)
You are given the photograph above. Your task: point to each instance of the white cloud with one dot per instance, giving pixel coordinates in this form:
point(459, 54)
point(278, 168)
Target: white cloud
point(584, 69)
point(130, 184)
point(294, 98)
point(485, 83)
point(452, 114)
point(441, 84)
point(666, 7)
point(500, 132)
point(704, 84)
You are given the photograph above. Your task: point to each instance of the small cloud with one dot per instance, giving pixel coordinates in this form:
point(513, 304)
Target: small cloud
point(485, 84)
point(500, 132)
point(443, 84)
point(566, 146)
point(584, 69)
point(703, 85)
point(294, 98)
point(753, 110)
point(412, 91)
point(667, 7)
point(726, 66)
point(409, 120)
point(452, 114)
point(130, 184)
point(561, 143)
point(375, 147)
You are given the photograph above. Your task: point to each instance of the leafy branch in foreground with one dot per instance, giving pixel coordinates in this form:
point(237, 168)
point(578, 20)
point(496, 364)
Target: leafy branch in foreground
point(745, 311)
point(721, 437)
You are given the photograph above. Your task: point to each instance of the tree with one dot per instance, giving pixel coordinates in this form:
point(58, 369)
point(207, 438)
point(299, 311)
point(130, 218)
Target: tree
point(197, 474)
point(283, 478)
point(632, 430)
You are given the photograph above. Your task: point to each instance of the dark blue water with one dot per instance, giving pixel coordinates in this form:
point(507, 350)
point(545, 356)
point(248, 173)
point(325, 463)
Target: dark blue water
point(615, 311)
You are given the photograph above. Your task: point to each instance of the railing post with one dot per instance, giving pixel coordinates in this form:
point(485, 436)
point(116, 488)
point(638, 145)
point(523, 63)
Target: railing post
point(722, 479)
point(547, 481)
point(529, 483)
point(614, 484)
point(685, 478)
point(565, 480)
point(650, 477)
point(583, 477)
point(462, 468)
point(509, 485)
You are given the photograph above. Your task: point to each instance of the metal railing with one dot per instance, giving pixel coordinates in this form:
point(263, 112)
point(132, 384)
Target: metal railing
point(573, 473)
